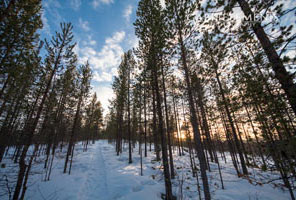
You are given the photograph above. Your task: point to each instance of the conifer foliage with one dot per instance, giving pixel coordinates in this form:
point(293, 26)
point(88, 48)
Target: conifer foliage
point(45, 97)
point(210, 82)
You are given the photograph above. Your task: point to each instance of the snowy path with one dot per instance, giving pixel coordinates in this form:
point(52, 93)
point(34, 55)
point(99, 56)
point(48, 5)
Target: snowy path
point(95, 184)
point(98, 174)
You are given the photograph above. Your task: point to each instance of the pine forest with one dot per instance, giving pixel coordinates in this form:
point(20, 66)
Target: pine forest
point(202, 106)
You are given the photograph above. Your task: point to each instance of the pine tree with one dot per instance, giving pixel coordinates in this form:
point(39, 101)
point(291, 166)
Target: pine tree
point(180, 15)
point(62, 48)
point(149, 28)
point(85, 75)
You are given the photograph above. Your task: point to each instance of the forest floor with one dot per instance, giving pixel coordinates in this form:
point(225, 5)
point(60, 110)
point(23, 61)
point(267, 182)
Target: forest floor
point(101, 175)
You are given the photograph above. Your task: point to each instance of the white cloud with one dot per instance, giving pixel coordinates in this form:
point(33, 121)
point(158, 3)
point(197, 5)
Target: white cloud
point(114, 71)
point(96, 3)
point(89, 41)
point(75, 4)
point(132, 41)
point(46, 27)
point(52, 3)
point(103, 62)
point(104, 94)
point(103, 77)
point(84, 25)
point(51, 9)
point(116, 38)
point(127, 12)
point(110, 54)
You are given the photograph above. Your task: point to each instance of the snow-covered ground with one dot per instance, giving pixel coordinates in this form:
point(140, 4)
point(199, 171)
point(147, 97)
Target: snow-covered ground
point(99, 174)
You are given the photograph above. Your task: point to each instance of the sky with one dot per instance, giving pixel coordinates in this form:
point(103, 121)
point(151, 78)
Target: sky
point(103, 30)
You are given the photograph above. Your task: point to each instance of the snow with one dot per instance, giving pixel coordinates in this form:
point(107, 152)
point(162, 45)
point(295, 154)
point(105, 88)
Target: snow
point(99, 174)
point(235, 188)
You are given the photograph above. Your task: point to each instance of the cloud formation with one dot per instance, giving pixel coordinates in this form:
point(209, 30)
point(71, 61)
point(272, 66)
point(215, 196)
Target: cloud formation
point(103, 77)
point(84, 25)
point(105, 61)
point(51, 11)
point(46, 27)
point(75, 4)
point(96, 3)
point(89, 41)
point(127, 12)
point(104, 94)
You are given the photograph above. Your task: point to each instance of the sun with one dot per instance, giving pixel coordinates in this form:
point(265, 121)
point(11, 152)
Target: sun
point(181, 135)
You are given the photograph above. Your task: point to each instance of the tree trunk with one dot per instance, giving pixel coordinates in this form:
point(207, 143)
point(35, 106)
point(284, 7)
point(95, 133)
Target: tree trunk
point(72, 138)
point(145, 118)
point(128, 112)
point(237, 143)
point(194, 121)
point(168, 184)
point(168, 126)
point(29, 130)
point(155, 134)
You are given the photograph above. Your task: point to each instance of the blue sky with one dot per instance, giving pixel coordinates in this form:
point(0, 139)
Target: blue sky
point(103, 30)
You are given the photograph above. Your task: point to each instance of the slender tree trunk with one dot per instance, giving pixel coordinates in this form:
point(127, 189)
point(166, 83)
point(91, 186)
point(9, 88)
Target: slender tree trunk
point(145, 118)
point(178, 130)
point(72, 137)
point(194, 121)
point(255, 135)
point(230, 143)
point(29, 131)
point(128, 112)
point(204, 120)
point(168, 184)
point(240, 137)
point(155, 134)
point(24, 188)
point(177, 127)
point(168, 126)
point(140, 134)
point(237, 143)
